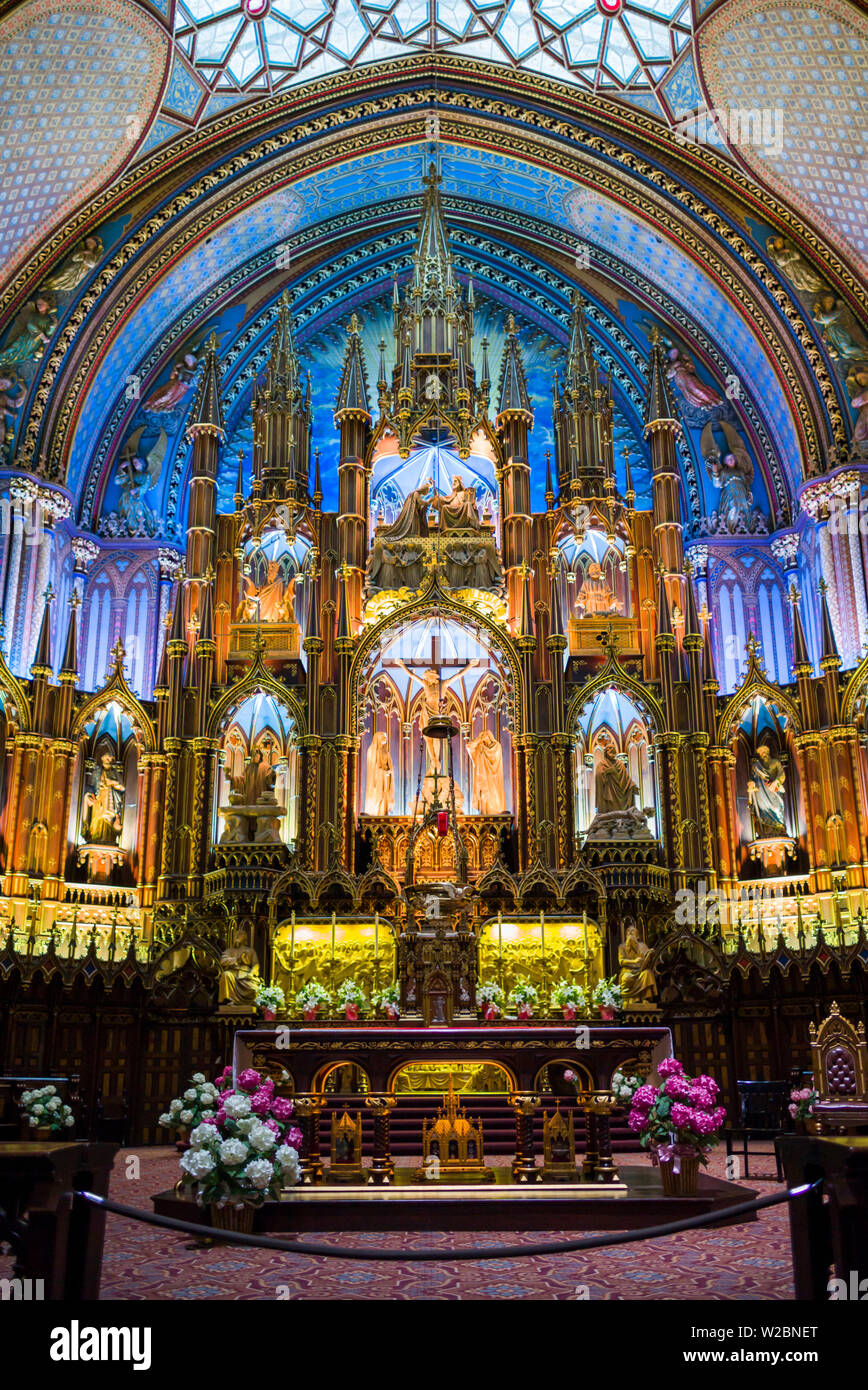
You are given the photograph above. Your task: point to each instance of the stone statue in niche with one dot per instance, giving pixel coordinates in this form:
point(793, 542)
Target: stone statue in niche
point(486, 755)
point(458, 511)
point(253, 815)
point(595, 597)
point(380, 780)
point(433, 693)
point(104, 802)
point(617, 815)
point(731, 471)
point(765, 794)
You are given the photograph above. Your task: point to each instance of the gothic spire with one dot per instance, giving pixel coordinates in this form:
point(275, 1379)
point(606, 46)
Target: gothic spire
point(433, 272)
point(69, 665)
point(830, 657)
point(802, 663)
point(658, 403)
point(512, 390)
point(352, 400)
point(581, 367)
point(207, 412)
point(283, 369)
point(42, 660)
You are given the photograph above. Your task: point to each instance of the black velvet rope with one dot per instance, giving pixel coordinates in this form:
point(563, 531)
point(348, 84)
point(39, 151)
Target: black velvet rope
point(489, 1252)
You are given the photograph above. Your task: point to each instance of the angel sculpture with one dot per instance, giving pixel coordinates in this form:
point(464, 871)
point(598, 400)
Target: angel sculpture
point(76, 267)
point(137, 475)
point(731, 472)
point(31, 332)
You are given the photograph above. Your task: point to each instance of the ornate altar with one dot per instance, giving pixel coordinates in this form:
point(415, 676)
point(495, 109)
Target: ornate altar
point(452, 1145)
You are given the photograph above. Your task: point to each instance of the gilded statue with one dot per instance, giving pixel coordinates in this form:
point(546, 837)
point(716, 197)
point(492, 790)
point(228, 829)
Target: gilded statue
point(486, 755)
point(765, 794)
point(239, 974)
point(595, 597)
point(636, 978)
point(380, 782)
point(271, 602)
point(104, 803)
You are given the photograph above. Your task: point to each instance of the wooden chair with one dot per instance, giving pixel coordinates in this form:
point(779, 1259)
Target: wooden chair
point(840, 1057)
point(762, 1114)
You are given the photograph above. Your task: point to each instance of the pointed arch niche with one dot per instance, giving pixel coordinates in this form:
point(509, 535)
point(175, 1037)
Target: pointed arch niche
point(106, 812)
point(612, 717)
point(258, 758)
point(475, 688)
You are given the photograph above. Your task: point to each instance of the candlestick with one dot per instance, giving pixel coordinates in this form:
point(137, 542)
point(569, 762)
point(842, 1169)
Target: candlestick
point(587, 953)
point(500, 945)
point(332, 972)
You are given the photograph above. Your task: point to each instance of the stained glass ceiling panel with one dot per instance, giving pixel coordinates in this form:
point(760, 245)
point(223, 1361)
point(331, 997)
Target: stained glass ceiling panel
point(606, 43)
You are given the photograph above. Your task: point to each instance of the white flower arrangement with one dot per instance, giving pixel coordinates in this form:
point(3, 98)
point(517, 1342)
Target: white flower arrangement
point(567, 995)
point(625, 1087)
point(43, 1109)
point(388, 1000)
point(248, 1151)
point(197, 1103)
point(351, 996)
point(607, 994)
point(489, 992)
point(270, 997)
point(313, 996)
point(523, 995)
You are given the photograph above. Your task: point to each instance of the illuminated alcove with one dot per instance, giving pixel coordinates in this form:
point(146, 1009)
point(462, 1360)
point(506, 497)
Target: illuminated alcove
point(612, 718)
point(258, 748)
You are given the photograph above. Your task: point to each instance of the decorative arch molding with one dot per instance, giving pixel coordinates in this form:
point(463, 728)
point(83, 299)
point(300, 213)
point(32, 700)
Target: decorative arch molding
point(613, 676)
point(16, 703)
point(257, 680)
point(695, 211)
point(855, 691)
point(756, 685)
point(432, 602)
point(118, 692)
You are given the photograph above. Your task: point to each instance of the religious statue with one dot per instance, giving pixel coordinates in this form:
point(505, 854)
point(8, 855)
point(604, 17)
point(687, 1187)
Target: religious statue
point(765, 794)
point(636, 978)
point(10, 404)
point(412, 519)
point(682, 373)
point(433, 692)
point(392, 563)
point(730, 470)
point(595, 597)
point(104, 803)
point(489, 792)
point(458, 511)
point(170, 395)
point(271, 602)
point(239, 974)
point(30, 333)
point(234, 756)
point(138, 473)
point(828, 311)
point(790, 260)
point(76, 267)
point(857, 383)
point(380, 784)
point(616, 790)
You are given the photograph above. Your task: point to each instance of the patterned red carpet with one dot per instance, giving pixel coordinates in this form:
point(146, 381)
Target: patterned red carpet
point(737, 1262)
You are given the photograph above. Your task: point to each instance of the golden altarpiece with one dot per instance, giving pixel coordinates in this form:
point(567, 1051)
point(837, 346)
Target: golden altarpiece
point(435, 739)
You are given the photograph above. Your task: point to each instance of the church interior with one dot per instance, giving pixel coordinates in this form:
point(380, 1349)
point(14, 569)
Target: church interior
point(434, 657)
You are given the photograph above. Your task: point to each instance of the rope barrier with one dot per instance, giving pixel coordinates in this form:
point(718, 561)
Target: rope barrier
point(495, 1252)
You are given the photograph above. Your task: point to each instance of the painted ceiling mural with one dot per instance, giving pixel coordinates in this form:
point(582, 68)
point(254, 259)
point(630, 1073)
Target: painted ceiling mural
point(807, 66)
point(79, 84)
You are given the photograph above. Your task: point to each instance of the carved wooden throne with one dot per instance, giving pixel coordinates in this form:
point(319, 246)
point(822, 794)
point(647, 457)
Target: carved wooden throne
point(840, 1060)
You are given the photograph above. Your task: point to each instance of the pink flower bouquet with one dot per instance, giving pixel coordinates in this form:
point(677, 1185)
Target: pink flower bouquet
point(680, 1117)
point(801, 1106)
point(246, 1149)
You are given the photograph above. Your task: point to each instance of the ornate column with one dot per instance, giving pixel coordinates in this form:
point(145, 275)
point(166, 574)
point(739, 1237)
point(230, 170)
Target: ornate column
point(524, 1167)
point(810, 775)
point(382, 1172)
point(23, 493)
point(307, 1110)
point(817, 502)
point(600, 1106)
